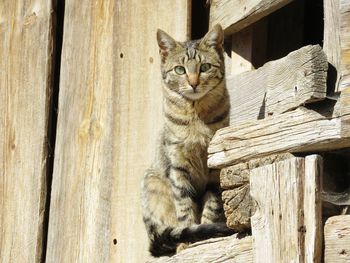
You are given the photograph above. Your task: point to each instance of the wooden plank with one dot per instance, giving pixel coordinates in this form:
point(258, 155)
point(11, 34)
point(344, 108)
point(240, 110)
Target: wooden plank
point(226, 249)
point(26, 61)
point(313, 208)
point(238, 204)
point(110, 104)
point(337, 41)
point(337, 239)
point(279, 86)
point(300, 130)
point(287, 228)
point(276, 224)
point(233, 15)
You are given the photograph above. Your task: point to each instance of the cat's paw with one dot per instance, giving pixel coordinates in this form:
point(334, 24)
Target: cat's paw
point(181, 247)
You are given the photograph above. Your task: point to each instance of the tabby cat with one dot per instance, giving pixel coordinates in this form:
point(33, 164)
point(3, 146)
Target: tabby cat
point(181, 199)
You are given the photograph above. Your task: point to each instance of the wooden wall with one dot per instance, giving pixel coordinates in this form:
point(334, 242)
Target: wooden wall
point(109, 114)
point(26, 39)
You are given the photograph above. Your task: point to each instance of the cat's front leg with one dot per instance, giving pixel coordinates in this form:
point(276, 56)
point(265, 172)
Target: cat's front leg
point(184, 193)
point(212, 205)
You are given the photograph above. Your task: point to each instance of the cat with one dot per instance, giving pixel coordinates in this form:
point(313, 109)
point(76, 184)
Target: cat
point(181, 198)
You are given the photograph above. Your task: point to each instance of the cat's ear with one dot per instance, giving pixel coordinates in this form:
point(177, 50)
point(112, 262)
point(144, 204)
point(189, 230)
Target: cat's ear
point(214, 38)
point(165, 42)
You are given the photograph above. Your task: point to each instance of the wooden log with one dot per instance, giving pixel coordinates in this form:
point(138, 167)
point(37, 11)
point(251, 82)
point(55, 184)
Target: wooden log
point(279, 85)
point(300, 130)
point(283, 226)
point(234, 15)
point(26, 67)
point(226, 249)
point(337, 41)
point(337, 239)
point(238, 204)
point(107, 109)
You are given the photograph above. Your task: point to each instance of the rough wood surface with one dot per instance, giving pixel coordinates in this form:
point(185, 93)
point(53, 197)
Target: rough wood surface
point(296, 131)
point(313, 208)
point(337, 239)
point(215, 250)
point(234, 15)
point(238, 204)
point(279, 85)
point(282, 226)
point(26, 59)
point(109, 104)
point(337, 41)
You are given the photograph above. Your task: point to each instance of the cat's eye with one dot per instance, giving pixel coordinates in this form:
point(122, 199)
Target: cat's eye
point(205, 67)
point(180, 70)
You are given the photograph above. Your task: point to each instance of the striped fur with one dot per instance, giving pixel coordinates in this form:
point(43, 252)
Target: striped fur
point(178, 190)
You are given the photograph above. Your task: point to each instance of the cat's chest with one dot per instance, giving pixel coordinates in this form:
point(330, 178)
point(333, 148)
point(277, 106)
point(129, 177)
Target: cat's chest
point(198, 133)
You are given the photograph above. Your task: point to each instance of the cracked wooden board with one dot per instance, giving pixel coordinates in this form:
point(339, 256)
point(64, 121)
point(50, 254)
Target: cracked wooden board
point(26, 74)
point(110, 104)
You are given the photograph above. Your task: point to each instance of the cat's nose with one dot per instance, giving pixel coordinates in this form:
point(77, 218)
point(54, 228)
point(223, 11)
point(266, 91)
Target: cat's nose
point(193, 80)
point(194, 86)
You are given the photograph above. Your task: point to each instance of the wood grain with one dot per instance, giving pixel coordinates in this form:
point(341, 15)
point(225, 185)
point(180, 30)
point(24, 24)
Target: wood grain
point(110, 105)
point(279, 85)
point(287, 227)
point(337, 239)
point(337, 41)
point(215, 250)
point(26, 61)
point(276, 223)
point(234, 15)
point(296, 131)
point(313, 208)
point(238, 204)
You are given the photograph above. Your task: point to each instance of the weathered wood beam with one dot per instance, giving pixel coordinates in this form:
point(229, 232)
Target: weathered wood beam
point(337, 41)
point(279, 85)
point(26, 72)
point(286, 228)
point(337, 239)
point(95, 173)
point(296, 131)
point(312, 207)
point(215, 250)
point(234, 15)
point(300, 130)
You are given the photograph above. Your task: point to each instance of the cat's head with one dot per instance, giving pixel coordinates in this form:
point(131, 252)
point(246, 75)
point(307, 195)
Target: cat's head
point(192, 68)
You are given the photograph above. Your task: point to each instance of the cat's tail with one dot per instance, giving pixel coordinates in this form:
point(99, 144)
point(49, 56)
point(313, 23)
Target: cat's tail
point(166, 242)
